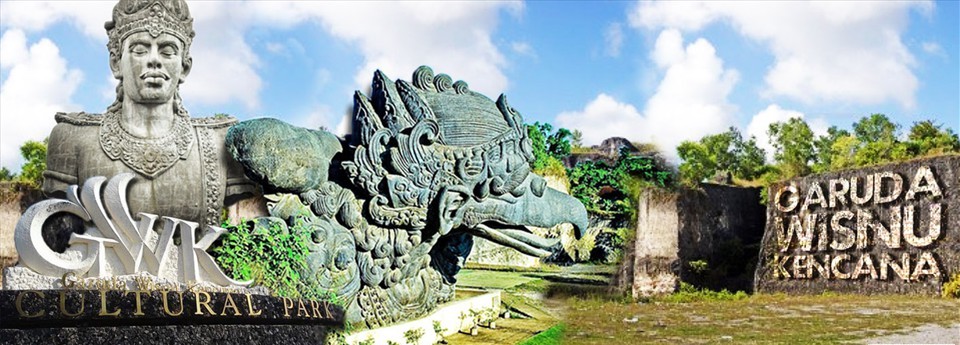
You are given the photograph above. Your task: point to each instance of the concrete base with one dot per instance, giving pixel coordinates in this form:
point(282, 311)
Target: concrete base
point(448, 314)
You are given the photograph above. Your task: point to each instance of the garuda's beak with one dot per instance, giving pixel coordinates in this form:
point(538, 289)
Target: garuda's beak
point(511, 216)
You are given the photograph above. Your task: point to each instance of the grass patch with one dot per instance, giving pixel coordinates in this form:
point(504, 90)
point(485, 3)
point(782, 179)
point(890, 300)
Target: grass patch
point(551, 336)
point(764, 319)
point(688, 293)
point(491, 279)
point(503, 268)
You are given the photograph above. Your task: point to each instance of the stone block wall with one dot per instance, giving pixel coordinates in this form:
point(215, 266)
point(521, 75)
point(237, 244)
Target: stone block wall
point(885, 229)
point(718, 227)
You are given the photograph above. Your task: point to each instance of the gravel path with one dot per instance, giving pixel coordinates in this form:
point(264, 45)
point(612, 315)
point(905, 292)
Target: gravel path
point(926, 334)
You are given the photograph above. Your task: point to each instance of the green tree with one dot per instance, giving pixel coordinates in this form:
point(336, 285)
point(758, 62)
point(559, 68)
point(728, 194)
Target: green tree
point(793, 147)
point(878, 141)
point(823, 146)
point(576, 139)
point(876, 127)
point(843, 152)
point(718, 153)
point(6, 175)
point(558, 143)
point(697, 164)
point(751, 159)
point(549, 148)
point(927, 137)
point(35, 155)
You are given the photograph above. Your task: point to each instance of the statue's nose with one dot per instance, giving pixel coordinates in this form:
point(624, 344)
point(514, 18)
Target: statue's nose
point(153, 58)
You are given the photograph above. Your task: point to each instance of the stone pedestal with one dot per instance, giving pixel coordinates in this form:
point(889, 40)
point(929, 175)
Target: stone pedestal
point(449, 315)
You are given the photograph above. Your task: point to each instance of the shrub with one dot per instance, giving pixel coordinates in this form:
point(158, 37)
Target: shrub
point(413, 335)
point(951, 289)
point(274, 257)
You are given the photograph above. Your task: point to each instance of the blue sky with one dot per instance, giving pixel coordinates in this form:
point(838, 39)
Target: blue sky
point(649, 71)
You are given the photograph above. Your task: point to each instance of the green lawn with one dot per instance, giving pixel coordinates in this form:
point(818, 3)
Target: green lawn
point(492, 279)
point(552, 336)
point(758, 319)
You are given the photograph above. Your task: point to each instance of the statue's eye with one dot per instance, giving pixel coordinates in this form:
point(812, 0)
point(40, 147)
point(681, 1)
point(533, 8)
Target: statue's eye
point(138, 49)
point(168, 51)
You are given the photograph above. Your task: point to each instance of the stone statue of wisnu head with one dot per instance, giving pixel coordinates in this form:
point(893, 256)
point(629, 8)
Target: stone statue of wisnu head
point(155, 17)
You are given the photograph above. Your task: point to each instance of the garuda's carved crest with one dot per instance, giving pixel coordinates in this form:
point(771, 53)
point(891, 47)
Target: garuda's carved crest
point(416, 140)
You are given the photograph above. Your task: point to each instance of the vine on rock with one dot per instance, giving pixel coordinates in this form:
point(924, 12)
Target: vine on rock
point(609, 189)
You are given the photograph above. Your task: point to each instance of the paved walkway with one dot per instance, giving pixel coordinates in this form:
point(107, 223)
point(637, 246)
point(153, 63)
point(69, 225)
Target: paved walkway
point(926, 334)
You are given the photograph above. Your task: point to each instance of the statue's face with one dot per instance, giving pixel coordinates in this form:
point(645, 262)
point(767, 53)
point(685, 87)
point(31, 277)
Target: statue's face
point(150, 67)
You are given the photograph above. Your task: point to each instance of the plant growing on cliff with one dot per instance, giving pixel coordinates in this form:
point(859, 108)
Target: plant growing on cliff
point(608, 189)
point(951, 289)
point(6, 175)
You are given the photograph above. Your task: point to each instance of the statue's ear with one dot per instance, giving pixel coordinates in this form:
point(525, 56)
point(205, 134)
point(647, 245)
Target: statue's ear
point(115, 66)
point(450, 208)
point(187, 66)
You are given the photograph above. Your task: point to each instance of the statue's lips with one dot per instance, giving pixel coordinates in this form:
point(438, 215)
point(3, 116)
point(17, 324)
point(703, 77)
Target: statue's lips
point(154, 78)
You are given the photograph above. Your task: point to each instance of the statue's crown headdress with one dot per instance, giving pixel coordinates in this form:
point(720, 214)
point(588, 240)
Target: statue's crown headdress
point(153, 16)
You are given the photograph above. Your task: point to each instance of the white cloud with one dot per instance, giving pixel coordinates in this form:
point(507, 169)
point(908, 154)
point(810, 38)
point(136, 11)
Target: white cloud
point(224, 65)
point(345, 126)
point(604, 117)
point(613, 38)
point(38, 85)
point(396, 37)
point(690, 102)
point(933, 48)
point(523, 48)
point(848, 52)
point(88, 16)
point(109, 90)
point(818, 126)
point(276, 48)
point(320, 116)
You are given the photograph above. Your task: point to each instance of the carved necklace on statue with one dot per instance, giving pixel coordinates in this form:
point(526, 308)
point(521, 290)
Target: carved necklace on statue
point(148, 156)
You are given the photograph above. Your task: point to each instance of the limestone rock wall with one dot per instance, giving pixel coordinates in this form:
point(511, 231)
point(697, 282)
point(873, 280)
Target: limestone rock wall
point(885, 229)
point(14, 199)
point(708, 237)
